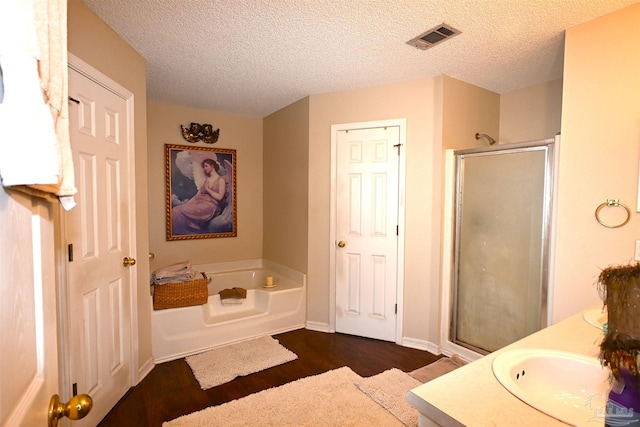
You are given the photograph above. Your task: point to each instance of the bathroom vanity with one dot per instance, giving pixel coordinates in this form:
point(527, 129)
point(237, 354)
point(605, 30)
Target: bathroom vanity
point(472, 396)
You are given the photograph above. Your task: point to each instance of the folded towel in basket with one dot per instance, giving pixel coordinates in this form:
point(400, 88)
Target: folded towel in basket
point(180, 272)
point(232, 293)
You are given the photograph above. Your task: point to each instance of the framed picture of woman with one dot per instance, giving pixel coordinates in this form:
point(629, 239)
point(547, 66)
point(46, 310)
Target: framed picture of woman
point(201, 192)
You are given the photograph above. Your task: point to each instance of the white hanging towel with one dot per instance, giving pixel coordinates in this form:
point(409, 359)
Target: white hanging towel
point(35, 150)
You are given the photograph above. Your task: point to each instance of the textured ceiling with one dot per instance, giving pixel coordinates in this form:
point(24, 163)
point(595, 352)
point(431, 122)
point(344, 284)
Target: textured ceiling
point(253, 57)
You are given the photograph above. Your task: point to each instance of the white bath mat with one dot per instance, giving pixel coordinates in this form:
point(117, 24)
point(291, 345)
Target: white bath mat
point(223, 364)
point(389, 389)
point(327, 400)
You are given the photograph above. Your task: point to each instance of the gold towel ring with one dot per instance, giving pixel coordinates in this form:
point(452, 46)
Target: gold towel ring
point(614, 203)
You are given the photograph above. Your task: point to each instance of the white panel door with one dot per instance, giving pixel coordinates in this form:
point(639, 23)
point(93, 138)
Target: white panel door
point(366, 231)
point(99, 284)
point(28, 324)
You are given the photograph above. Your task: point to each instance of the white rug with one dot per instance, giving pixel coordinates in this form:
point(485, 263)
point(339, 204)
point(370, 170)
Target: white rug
point(389, 389)
point(223, 364)
point(329, 399)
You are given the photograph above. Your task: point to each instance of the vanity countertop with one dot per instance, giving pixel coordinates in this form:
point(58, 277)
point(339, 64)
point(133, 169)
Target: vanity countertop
point(471, 395)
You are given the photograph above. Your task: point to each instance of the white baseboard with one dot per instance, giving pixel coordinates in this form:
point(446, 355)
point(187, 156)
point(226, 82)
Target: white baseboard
point(421, 345)
point(405, 342)
point(318, 326)
point(144, 370)
point(450, 349)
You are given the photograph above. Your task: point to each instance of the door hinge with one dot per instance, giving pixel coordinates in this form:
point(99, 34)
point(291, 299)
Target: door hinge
point(70, 252)
point(396, 309)
point(397, 230)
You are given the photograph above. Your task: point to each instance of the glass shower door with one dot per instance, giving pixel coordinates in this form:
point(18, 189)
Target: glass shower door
point(502, 207)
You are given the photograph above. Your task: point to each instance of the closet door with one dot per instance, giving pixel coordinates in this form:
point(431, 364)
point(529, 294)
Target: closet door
point(101, 270)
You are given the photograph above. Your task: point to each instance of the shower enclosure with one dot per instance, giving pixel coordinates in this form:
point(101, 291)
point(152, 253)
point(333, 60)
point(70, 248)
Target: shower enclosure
point(501, 239)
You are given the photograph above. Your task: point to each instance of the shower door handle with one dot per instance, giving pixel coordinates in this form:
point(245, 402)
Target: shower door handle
point(341, 244)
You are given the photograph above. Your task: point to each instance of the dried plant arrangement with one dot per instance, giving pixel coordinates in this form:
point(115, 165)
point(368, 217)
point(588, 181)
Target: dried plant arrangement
point(619, 288)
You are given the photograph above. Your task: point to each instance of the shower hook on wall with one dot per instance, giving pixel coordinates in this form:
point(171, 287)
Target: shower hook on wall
point(612, 203)
point(484, 135)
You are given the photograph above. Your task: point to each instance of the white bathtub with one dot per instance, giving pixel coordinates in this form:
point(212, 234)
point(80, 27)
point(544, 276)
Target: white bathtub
point(179, 332)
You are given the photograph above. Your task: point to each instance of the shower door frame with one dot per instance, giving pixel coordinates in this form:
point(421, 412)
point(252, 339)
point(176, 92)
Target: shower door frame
point(549, 147)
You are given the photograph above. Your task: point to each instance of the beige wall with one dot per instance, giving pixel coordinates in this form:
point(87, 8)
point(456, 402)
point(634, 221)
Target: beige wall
point(285, 185)
point(598, 160)
point(95, 43)
point(467, 110)
point(243, 134)
point(531, 113)
point(413, 101)
point(439, 109)
point(599, 154)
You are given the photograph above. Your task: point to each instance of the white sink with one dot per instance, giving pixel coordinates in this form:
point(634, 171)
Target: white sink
point(569, 387)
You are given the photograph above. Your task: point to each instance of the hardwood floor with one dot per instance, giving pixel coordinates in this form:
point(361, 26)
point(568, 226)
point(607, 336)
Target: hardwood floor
point(170, 389)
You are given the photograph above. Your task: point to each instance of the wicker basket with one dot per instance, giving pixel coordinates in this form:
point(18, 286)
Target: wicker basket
point(180, 294)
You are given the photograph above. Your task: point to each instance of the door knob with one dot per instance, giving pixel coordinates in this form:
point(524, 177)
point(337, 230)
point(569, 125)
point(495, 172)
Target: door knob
point(127, 262)
point(78, 407)
point(341, 244)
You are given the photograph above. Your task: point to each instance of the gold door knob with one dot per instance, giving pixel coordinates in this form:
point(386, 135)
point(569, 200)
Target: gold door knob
point(341, 244)
point(78, 407)
point(127, 262)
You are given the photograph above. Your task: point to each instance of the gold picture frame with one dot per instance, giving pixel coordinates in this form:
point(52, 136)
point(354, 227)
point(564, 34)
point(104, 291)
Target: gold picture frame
point(200, 192)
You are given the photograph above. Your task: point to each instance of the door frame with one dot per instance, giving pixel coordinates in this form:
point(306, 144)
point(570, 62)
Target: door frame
point(96, 76)
point(402, 125)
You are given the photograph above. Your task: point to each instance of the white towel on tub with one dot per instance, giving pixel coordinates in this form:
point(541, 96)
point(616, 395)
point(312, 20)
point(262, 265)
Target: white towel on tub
point(232, 301)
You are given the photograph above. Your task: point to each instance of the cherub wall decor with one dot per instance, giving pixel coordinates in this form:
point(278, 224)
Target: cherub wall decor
point(197, 132)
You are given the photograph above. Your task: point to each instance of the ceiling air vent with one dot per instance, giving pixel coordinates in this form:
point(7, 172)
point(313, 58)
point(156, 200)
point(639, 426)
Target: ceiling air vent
point(433, 36)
